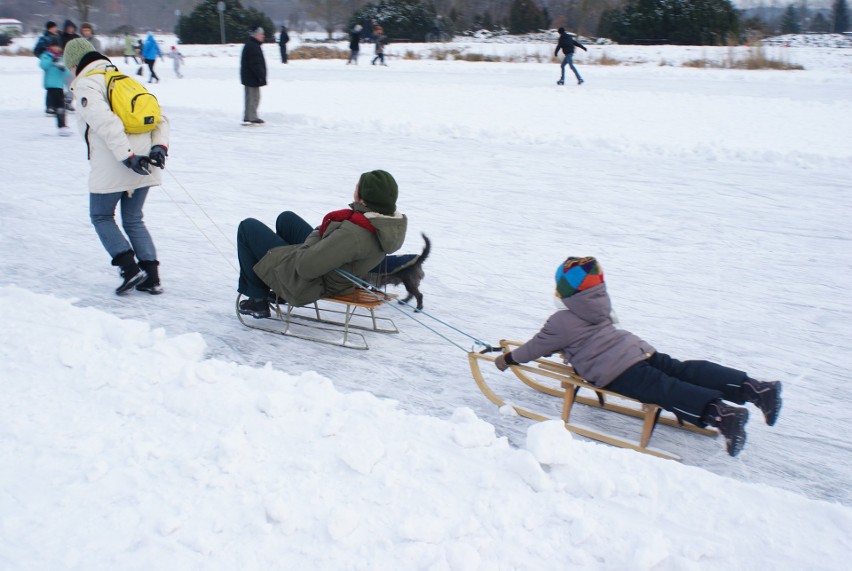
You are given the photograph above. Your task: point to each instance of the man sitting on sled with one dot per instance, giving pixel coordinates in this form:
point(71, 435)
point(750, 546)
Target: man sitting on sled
point(298, 262)
point(583, 332)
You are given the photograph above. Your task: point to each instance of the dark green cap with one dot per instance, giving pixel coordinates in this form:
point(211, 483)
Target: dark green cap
point(379, 191)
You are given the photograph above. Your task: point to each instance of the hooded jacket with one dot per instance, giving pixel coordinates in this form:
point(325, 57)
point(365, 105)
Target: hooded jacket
point(585, 335)
point(151, 50)
point(108, 144)
point(304, 273)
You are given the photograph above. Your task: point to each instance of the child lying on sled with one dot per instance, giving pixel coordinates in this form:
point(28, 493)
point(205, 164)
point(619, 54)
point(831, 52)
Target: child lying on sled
point(695, 391)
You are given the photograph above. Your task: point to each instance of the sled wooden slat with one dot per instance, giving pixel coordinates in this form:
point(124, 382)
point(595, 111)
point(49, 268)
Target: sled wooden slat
point(568, 402)
point(601, 394)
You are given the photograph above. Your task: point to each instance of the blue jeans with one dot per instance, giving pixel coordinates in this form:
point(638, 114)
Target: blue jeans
point(102, 213)
point(255, 239)
point(569, 61)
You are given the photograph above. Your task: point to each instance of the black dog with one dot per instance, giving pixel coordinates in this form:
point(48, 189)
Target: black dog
point(404, 270)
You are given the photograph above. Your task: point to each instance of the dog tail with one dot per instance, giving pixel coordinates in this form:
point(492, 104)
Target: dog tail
point(426, 249)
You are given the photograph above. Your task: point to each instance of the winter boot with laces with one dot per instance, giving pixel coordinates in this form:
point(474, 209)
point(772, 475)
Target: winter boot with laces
point(765, 395)
point(129, 270)
point(152, 282)
point(730, 420)
point(257, 308)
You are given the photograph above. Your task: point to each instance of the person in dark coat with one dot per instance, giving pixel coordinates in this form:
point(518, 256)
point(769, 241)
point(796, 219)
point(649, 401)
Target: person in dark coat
point(253, 75)
point(69, 32)
point(49, 37)
point(283, 38)
point(354, 44)
point(584, 332)
point(566, 44)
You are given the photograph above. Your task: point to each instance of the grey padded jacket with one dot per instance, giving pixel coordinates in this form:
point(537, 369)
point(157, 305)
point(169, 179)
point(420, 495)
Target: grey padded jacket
point(585, 335)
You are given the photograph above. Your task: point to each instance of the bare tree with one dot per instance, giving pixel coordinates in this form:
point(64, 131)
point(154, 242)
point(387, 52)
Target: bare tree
point(330, 14)
point(84, 7)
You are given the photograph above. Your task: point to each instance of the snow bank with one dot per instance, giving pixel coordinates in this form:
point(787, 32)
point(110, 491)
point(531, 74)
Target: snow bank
point(124, 447)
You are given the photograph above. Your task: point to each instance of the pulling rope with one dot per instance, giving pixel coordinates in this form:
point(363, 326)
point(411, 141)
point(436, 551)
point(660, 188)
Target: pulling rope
point(369, 288)
point(203, 233)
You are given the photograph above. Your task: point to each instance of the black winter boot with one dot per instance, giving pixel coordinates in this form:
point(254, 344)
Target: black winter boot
point(765, 395)
point(129, 271)
point(257, 308)
point(152, 282)
point(730, 420)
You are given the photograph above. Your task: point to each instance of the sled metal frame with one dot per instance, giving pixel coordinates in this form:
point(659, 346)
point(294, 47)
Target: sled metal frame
point(570, 385)
point(359, 305)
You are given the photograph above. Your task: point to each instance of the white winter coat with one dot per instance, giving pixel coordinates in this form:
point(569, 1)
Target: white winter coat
point(108, 144)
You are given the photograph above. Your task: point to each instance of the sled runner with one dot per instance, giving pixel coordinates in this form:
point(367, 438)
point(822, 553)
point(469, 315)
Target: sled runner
point(322, 322)
point(561, 381)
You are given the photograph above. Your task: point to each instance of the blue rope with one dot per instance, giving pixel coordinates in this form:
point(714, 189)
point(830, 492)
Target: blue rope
point(369, 288)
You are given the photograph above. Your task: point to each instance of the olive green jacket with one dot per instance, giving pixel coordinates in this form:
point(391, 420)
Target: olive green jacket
point(303, 273)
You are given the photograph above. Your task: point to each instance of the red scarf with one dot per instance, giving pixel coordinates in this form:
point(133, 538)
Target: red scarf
point(353, 216)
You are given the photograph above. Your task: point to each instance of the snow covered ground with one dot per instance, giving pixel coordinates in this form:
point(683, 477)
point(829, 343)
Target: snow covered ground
point(143, 432)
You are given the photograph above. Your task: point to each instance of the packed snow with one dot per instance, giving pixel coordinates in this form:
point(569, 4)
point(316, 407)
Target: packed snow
point(144, 432)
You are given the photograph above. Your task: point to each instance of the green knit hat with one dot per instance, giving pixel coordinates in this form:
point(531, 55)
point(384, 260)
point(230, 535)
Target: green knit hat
point(379, 191)
point(75, 50)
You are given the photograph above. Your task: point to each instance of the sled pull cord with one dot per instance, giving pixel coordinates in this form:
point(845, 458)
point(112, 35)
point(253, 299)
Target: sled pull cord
point(366, 286)
point(182, 211)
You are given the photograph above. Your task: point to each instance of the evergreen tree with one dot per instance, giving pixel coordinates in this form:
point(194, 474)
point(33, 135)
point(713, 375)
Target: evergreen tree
point(683, 22)
point(202, 25)
point(401, 19)
point(790, 21)
point(840, 16)
point(525, 16)
point(820, 23)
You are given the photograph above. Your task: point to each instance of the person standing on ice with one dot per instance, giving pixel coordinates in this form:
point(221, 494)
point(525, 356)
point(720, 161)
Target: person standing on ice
point(298, 262)
point(54, 82)
point(567, 43)
point(253, 75)
point(583, 331)
point(120, 170)
point(150, 53)
point(88, 31)
point(354, 44)
point(282, 43)
point(381, 39)
point(177, 60)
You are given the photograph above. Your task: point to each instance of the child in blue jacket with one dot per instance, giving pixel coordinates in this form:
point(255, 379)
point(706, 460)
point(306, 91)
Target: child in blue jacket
point(54, 82)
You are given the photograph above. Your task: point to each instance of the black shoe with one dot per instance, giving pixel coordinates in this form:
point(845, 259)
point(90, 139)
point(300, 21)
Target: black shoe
point(560, 82)
point(257, 121)
point(731, 421)
point(765, 395)
point(130, 271)
point(274, 299)
point(152, 281)
point(257, 308)
point(580, 82)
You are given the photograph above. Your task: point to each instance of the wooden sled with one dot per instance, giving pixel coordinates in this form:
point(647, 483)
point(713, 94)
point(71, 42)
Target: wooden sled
point(323, 323)
point(564, 383)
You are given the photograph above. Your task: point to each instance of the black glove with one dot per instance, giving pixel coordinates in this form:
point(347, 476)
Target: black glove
point(138, 164)
point(157, 156)
point(503, 361)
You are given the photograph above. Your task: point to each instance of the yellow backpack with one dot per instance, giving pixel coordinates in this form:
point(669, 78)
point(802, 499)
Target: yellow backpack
point(137, 108)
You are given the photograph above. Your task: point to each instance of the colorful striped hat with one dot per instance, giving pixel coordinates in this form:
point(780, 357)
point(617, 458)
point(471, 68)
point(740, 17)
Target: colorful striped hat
point(577, 274)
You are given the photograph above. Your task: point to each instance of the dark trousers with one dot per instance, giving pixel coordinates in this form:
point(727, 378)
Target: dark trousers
point(283, 54)
point(56, 100)
point(151, 63)
point(681, 387)
point(255, 239)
